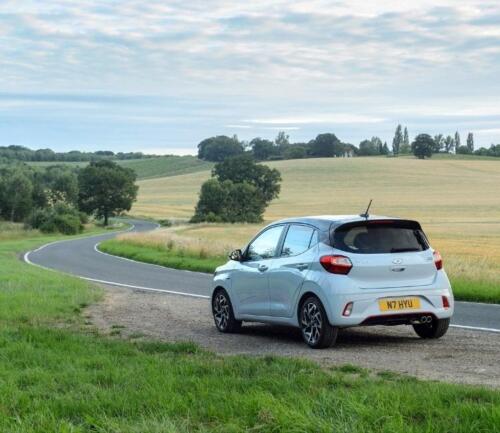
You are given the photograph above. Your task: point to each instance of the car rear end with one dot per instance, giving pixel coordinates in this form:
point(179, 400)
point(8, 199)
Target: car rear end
point(382, 271)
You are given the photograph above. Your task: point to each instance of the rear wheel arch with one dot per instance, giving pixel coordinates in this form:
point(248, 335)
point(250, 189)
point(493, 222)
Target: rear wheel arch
point(303, 297)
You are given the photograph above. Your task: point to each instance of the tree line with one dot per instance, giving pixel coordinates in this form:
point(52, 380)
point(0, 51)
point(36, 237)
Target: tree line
point(327, 145)
point(60, 198)
point(21, 153)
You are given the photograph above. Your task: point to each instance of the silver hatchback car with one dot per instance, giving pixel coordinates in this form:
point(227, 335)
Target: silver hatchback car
point(323, 273)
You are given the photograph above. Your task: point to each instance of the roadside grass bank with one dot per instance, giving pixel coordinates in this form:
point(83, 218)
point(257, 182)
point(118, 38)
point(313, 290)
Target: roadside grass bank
point(203, 247)
point(57, 374)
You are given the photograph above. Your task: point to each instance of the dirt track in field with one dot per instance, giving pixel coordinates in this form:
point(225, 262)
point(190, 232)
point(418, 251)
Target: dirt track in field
point(460, 356)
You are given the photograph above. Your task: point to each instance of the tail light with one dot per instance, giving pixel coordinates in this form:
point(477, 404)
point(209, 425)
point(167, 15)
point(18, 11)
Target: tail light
point(336, 264)
point(438, 260)
point(446, 302)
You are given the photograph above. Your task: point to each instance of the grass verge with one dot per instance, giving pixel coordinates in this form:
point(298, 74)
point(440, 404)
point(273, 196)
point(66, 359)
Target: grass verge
point(58, 376)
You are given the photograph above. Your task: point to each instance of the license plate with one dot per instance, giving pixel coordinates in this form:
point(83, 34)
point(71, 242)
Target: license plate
point(396, 304)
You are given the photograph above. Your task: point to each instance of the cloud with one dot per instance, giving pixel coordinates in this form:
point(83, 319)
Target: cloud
point(278, 64)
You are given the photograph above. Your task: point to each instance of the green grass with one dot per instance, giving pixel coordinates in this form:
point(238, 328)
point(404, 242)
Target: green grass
point(161, 166)
point(165, 166)
point(170, 258)
point(58, 375)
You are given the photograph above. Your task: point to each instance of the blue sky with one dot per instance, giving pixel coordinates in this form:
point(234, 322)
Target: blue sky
point(159, 76)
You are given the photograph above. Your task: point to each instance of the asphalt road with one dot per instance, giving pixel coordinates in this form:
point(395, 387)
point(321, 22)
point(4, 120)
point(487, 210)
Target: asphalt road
point(81, 257)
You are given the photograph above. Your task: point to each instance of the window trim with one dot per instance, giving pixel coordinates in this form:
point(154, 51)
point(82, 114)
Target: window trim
point(282, 243)
point(278, 245)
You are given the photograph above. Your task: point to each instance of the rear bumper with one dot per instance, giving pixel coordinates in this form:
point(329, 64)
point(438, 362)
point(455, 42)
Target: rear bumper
point(366, 310)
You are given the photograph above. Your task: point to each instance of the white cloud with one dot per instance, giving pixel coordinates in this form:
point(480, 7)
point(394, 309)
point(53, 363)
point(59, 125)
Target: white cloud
point(279, 64)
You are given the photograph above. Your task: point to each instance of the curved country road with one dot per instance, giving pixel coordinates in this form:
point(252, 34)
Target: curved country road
point(81, 257)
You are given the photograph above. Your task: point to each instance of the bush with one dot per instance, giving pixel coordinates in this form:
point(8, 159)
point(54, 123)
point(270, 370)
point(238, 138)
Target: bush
point(165, 223)
point(60, 218)
point(463, 150)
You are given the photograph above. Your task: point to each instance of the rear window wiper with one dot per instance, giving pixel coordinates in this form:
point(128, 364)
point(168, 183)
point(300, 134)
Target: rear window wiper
point(404, 250)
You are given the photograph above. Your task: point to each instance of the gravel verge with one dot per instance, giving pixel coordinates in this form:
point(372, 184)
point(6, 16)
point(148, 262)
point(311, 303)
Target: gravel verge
point(460, 356)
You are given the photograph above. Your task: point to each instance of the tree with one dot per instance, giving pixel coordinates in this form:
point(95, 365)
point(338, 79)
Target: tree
point(326, 145)
point(368, 148)
point(449, 144)
point(106, 189)
point(218, 148)
point(16, 189)
point(397, 141)
point(423, 146)
point(457, 141)
point(262, 149)
point(239, 190)
point(295, 152)
point(438, 143)
point(405, 145)
point(385, 149)
point(463, 150)
point(282, 140)
point(470, 142)
point(243, 168)
point(61, 184)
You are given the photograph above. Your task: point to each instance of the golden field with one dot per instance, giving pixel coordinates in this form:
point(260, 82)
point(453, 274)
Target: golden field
point(456, 201)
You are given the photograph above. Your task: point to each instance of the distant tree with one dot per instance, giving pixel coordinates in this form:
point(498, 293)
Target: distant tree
point(369, 148)
point(462, 150)
point(282, 140)
point(218, 148)
point(295, 152)
point(243, 168)
point(457, 141)
point(449, 144)
point(385, 149)
point(397, 141)
point(405, 148)
point(438, 143)
point(326, 145)
point(263, 149)
point(16, 189)
point(61, 184)
point(423, 146)
point(106, 189)
point(239, 191)
point(470, 142)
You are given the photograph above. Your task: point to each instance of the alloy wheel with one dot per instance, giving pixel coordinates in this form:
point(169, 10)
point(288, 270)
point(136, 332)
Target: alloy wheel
point(312, 323)
point(221, 311)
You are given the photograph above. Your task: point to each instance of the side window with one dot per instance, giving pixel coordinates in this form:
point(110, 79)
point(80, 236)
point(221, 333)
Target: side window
point(298, 239)
point(264, 246)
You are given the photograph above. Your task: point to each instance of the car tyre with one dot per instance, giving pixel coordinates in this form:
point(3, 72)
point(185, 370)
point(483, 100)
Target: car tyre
point(436, 329)
point(223, 313)
point(316, 329)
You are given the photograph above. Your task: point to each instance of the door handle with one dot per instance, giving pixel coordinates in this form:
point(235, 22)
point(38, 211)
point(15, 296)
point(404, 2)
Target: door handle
point(302, 266)
point(263, 268)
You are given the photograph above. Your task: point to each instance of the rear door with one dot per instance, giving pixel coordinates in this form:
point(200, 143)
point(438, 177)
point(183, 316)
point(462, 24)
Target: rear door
point(289, 269)
point(386, 253)
point(250, 283)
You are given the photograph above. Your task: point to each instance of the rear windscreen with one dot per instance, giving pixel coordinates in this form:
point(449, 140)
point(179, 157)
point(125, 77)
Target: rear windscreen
point(380, 237)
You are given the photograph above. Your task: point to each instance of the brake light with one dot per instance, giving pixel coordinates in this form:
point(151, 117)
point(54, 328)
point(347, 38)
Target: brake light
point(446, 302)
point(438, 260)
point(336, 264)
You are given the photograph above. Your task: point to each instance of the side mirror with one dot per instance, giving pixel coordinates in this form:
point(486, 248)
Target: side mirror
point(236, 255)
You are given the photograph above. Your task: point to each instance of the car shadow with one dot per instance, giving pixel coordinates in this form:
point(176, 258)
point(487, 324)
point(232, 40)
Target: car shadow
point(359, 336)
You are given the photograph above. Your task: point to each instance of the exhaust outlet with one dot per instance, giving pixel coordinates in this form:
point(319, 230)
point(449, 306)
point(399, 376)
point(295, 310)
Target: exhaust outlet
point(426, 319)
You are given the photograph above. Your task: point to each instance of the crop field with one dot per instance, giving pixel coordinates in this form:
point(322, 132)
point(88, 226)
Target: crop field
point(456, 200)
point(162, 166)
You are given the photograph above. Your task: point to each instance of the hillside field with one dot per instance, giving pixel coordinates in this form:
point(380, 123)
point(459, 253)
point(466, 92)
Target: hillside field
point(161, 166)
point(456, 200)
